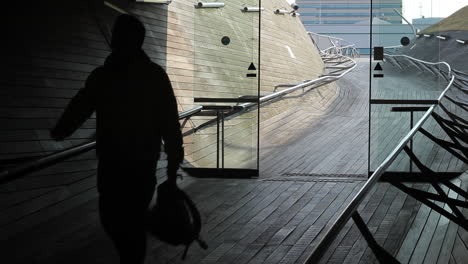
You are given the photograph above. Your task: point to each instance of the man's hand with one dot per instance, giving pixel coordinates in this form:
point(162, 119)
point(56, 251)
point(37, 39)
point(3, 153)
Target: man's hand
point(173, 163)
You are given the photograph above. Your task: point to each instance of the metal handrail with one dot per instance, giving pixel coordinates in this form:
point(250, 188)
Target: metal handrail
point(449, 73)
point(328, 78)
point(50, 159)
point(324, 79)
point(334, 48)
point(14, 173)
point(347, 213)
point(415, 31)
point(309, 83)
point(329, 37)
point(325, 36)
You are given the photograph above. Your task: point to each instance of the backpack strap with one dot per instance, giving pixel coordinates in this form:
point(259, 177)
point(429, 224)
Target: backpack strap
point(196, 222)
point(185, 251)
point(194, 211)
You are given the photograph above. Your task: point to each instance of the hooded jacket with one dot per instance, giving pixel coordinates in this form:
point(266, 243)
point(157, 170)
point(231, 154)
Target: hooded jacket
point(135, 108)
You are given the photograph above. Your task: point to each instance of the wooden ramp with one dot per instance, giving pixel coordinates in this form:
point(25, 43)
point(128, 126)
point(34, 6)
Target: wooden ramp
point(313, 163)
point(319, 135)
point(244, 221)
point(407, 229)
point(276, 220)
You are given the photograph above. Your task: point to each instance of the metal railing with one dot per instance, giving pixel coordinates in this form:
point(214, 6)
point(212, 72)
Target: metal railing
point(338, 46)
point(351, 209)
point(334, 52)
point(50, 159)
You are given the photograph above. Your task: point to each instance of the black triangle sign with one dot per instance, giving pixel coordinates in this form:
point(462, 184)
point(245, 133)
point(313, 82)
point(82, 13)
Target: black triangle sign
point(252, 67)
point(378, 67)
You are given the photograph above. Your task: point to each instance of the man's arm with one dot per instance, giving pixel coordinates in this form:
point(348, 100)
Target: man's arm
point(80, 108)
point(171, 133)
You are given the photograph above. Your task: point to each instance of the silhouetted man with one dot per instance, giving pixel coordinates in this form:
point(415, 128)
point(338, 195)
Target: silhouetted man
point(135, 107)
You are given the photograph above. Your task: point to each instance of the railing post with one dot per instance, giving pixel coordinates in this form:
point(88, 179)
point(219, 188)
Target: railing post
point(411, 140)
point(217, 139)
point(222, 139)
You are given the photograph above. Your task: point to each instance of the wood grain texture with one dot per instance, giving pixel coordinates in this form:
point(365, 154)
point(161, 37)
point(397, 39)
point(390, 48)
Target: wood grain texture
point(48, 60)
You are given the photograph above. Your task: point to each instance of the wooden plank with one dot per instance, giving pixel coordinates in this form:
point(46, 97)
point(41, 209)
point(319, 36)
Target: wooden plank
point(436, 241)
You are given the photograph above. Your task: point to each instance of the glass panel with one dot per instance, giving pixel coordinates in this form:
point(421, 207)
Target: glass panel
point(226, 42)
point(418, 215)
point(410, 218)
point(403, 76)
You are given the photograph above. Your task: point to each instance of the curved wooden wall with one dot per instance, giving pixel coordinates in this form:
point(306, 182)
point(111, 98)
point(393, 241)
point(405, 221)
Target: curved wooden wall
point(52, 46)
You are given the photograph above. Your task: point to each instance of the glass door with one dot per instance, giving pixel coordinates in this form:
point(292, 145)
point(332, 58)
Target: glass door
point(406, 80)
point(226, 84)
point(418, 115)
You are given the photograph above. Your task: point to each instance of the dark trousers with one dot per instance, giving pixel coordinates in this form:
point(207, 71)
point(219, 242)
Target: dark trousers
point(126, 189)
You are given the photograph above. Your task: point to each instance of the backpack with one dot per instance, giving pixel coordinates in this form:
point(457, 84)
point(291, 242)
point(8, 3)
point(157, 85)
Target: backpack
point(175, 219)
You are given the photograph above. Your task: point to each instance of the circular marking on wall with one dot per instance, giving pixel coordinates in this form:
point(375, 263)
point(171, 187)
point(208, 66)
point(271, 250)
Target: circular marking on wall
point(405, 41)
point(225, 40)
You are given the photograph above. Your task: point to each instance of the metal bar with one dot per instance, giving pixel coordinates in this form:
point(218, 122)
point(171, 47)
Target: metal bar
point(223, 100)
point(11, 174)
point(217, 139)
point(337, 67)
point(410, 109)
point(222, 139)
point(411, 142)
point(402, 101)
point(220, 107)
point(50, 159)
point(286, 91)
point(246, 106)
point(190, 112)
point(409, 23)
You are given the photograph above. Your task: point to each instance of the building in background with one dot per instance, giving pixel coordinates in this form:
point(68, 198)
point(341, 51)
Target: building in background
point(350, 19)
point(344, 12)
point(427, 20)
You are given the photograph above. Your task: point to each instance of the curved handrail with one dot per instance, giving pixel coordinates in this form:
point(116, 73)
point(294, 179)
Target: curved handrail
point(321, 35)
point(347, 213)
point(309, 83)
point(321, 80)
point(16, 172)
point(50, 159)
point(329, 37)
point(424, 62)
point(267, 98)
point(336, 47)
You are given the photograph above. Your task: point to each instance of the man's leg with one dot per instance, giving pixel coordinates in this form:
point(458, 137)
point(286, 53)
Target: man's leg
point(123, 208)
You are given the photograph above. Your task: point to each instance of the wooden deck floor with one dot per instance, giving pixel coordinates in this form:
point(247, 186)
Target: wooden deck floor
point(307, 179)
point(275, 220)
point(245, 221)
point(405, 228)
point(325, 140)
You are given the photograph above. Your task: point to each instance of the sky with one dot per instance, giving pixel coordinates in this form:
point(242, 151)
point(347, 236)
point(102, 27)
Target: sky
point(440, 8)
